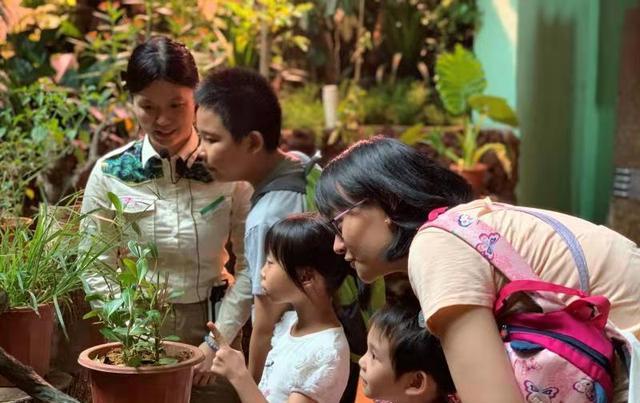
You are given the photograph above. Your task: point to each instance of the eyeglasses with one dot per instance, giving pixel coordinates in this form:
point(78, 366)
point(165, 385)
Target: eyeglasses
point(335, 221)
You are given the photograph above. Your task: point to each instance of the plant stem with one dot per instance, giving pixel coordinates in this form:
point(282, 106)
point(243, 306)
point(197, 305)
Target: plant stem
point(156, 328)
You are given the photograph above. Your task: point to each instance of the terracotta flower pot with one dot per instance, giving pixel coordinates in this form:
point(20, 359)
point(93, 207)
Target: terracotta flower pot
point(27, 337)
point(474, 176)
point(12, 222)
point(158, 384)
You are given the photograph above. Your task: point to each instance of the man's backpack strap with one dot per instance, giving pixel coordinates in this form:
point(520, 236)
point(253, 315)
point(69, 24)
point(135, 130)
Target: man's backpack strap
point(299, 182)
point(312, 175)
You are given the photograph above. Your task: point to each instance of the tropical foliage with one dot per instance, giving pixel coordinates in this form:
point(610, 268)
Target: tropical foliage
point(460, 83)
point(40, 123)
point(64, 48)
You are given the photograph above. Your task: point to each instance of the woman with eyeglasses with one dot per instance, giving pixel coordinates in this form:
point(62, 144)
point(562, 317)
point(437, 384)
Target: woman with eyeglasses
point(379, 193)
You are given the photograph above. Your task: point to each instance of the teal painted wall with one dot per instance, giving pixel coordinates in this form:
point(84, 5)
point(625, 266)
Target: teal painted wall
point(495, 46)
point(565, 80)
point(545, 54)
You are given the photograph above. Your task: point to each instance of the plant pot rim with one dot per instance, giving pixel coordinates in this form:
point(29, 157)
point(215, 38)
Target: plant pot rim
point(19, 309)
point(85, 359)
point(14, 220)
point(478, 167)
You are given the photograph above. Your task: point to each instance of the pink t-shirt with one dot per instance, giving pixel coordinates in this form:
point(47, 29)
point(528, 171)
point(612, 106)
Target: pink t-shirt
point(445, 271)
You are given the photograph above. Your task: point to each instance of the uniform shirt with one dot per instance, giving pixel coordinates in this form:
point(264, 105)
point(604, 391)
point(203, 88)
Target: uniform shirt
point(187, 214)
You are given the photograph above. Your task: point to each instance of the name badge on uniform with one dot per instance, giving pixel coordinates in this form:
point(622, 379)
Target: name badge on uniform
point(211, 206)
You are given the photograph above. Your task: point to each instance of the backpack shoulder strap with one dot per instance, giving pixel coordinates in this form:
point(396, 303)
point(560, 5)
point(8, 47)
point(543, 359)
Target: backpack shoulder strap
point(295, 182)
point(303, 182)
point(486, 241)
point(569, 238)
point(312, 176)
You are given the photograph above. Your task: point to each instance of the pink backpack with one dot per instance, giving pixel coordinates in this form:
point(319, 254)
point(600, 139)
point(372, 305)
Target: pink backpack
point(565, 353)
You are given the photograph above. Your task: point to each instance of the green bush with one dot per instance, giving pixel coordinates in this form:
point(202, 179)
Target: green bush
point(39, 124)
point(302, 109)
point(400, 103)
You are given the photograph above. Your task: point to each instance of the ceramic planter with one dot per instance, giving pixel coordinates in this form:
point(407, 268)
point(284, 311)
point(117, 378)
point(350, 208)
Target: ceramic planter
point(158, 384)
point(27, 337)
point(474, 176)
point(330, 100)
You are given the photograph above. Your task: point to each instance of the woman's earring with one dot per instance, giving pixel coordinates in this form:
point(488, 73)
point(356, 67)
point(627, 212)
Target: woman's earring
point(387, 221)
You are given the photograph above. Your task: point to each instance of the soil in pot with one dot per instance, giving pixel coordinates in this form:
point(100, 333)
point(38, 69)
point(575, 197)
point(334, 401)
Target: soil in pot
point(115, 357)
point(27, 336)
point(158, 384)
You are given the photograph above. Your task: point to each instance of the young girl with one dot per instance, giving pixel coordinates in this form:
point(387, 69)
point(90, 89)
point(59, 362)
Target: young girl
point(404, 363)
point(309, 359)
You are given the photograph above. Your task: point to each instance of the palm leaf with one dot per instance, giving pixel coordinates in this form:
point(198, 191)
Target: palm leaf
point(500, 151)
point(495, 108)
point(434, 138)
point(413, 135)
point(459, 75)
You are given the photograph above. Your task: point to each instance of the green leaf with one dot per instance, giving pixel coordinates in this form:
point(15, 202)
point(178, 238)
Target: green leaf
point(154, 315)
point(109, 334)
point(94, 297)
point(120, 331)
point(167, 361)
point(138, 331)
point(153, 249)
point(112, 306)
point(115, 200)
point(130, 265)
point(171, 338)
point(56, 305)
point(127, 279)
point(89, 315)
point(143, 268)
point(500, 150)
point(434, 139)
point(495, 108)
point(413, 135)
point(135, 248)
point(129, 275)
point(39, 133)
point(459, 75)
point(136, 228)
point(34, 300)
point(67, 28)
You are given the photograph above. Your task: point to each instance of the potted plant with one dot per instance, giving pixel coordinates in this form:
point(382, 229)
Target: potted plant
point(460, 82)
point(40, 265)
point(139, 363)
point(42, 126)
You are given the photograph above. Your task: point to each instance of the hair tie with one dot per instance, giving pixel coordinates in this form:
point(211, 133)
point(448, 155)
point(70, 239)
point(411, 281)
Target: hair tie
point(436, 212)
point(421, 322)
point(453, 398)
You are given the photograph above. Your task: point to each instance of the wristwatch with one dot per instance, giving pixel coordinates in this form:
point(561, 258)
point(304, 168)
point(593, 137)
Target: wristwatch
point(211, 342)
